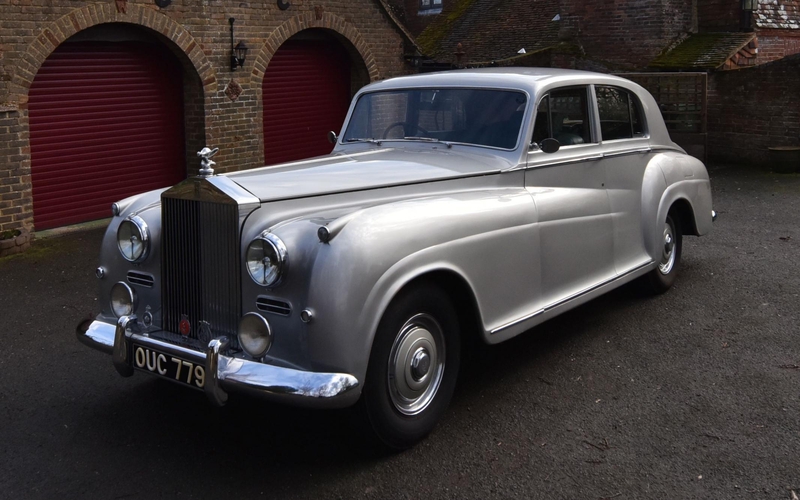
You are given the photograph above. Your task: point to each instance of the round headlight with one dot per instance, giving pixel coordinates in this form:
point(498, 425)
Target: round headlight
point(123, 299)
point(133, 238)
point(266, 259)
point(255, 335)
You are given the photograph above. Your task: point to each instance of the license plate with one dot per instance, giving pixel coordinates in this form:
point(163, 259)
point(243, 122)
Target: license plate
point(169, 366)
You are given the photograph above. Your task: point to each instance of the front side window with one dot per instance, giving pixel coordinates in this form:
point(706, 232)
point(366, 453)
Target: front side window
point(490, 118)
point(563, 115)
point(620, 114)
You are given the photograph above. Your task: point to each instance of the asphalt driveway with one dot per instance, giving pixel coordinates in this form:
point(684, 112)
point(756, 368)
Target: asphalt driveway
point(693, 394)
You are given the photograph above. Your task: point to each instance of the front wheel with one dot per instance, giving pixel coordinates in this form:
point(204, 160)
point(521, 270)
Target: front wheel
point(413, 366)
point(660, 279)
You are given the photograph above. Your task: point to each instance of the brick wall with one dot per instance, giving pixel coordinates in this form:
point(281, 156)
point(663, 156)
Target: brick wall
point(16, 206)
point(718, 15)
point(199, 34)
point(624, 34)
point(777, 44)
point(753, 109)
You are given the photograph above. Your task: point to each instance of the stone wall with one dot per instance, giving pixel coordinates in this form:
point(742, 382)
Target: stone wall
point(199, 34)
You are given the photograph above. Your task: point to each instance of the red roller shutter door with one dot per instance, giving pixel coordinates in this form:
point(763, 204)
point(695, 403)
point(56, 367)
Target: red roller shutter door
point(306, 93)
point(106, 122)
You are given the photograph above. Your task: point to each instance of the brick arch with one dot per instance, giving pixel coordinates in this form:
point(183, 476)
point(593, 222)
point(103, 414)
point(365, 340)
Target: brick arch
point(80, 19)
point(310, 20)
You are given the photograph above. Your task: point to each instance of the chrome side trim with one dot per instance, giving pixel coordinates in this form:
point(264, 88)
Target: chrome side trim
point(627, 152)
point(570, 298)
point(595, 287)
point(517, 321)
point(225, 373)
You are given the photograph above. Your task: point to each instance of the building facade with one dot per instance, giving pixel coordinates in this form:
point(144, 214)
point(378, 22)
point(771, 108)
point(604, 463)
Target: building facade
point(102, 100)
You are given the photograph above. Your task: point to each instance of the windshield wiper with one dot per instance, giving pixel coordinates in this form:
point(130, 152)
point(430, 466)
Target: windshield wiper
point(364, 139)
point(428, 139)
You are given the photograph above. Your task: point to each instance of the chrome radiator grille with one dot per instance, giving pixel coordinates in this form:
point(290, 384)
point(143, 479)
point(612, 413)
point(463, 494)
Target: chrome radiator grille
point(200, 266)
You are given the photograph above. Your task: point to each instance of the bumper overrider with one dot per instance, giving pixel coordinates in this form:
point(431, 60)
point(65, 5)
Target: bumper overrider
point(224, 373)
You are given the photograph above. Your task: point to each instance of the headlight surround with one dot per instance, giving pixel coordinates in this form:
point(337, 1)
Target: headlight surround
point(133, 239)
point(123, 299)
point(266, 260)
point(255, 335)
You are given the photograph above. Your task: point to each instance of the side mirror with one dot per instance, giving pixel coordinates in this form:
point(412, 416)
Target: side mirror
point(332, 137)
point(550, 146)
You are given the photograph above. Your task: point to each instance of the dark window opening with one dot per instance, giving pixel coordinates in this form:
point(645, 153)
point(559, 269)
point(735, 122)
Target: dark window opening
point(563, 115)
point(620, 114)
point(430, 6)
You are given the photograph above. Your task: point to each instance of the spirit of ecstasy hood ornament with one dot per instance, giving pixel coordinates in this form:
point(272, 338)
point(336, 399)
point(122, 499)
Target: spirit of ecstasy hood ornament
point(205, 155)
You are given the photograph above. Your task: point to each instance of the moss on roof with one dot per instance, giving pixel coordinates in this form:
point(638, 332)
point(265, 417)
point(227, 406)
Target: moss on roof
point(430, 39)
point(490, 30)
point(703, 51)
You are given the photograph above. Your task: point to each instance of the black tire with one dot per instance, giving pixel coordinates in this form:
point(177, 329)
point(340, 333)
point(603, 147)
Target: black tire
point(660, 279)
point(396, 421)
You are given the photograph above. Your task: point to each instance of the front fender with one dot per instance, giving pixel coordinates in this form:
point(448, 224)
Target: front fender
point(486, 237)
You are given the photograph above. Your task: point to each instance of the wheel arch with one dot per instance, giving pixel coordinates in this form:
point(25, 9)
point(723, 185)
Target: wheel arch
point(460, 293)
point(683, 212)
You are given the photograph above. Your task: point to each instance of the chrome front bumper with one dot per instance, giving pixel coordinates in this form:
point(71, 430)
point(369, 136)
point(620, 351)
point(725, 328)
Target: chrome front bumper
point(225, 373)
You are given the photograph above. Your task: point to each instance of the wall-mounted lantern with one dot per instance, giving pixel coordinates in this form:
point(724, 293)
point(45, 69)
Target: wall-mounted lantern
point(748, 7)
point(238, 52)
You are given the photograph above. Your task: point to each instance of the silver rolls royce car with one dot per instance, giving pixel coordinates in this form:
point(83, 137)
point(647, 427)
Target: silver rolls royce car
point(475, 203)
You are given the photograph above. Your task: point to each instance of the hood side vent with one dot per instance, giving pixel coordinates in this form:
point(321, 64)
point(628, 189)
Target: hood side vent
point(140, 279)
point(273, 306)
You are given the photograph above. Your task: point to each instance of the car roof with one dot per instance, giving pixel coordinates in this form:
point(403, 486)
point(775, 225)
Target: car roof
point(529, 79)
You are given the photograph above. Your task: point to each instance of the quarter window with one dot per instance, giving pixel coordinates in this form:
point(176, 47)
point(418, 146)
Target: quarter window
point(563, 115)
point(620, 114)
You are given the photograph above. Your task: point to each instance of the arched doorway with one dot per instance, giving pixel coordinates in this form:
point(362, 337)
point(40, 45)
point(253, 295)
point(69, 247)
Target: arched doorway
point(306, 92)
point(106, 114)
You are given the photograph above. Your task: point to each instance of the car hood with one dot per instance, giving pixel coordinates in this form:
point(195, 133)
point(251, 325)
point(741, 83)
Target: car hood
point(342, 172)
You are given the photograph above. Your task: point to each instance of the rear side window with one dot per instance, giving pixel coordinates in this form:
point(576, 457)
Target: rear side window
point(620, 114)
point(563, 115)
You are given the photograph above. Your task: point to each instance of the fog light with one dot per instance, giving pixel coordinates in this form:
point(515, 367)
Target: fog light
point(123, 299)
point(255, 335)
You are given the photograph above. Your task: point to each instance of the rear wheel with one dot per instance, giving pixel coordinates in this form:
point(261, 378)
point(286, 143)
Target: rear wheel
point(660, 279)
point(413, 366)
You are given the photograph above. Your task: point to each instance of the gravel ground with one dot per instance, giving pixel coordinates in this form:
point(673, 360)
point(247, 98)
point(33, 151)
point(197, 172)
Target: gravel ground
point(693, 394)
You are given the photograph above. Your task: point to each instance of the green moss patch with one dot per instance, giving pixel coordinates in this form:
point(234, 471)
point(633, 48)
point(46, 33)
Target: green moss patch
point(11, 233)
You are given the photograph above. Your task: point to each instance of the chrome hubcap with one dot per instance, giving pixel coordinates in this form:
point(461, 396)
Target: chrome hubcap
point(416, 364)
point(668, 253)
point(420, 364)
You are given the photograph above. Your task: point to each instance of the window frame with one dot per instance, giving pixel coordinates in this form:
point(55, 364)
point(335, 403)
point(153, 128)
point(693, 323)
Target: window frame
point(633, 101)
point(518, 145)
point(433, 7)
point(592, 118)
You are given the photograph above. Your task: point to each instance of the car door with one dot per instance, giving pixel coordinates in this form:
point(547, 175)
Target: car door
point(626, 152)
point(568, 188)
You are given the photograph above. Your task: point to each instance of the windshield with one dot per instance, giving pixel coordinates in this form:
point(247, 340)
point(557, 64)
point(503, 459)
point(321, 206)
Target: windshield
point(469, 116)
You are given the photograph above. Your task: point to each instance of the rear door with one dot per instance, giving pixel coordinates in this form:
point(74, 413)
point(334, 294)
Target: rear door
point(626, 155)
